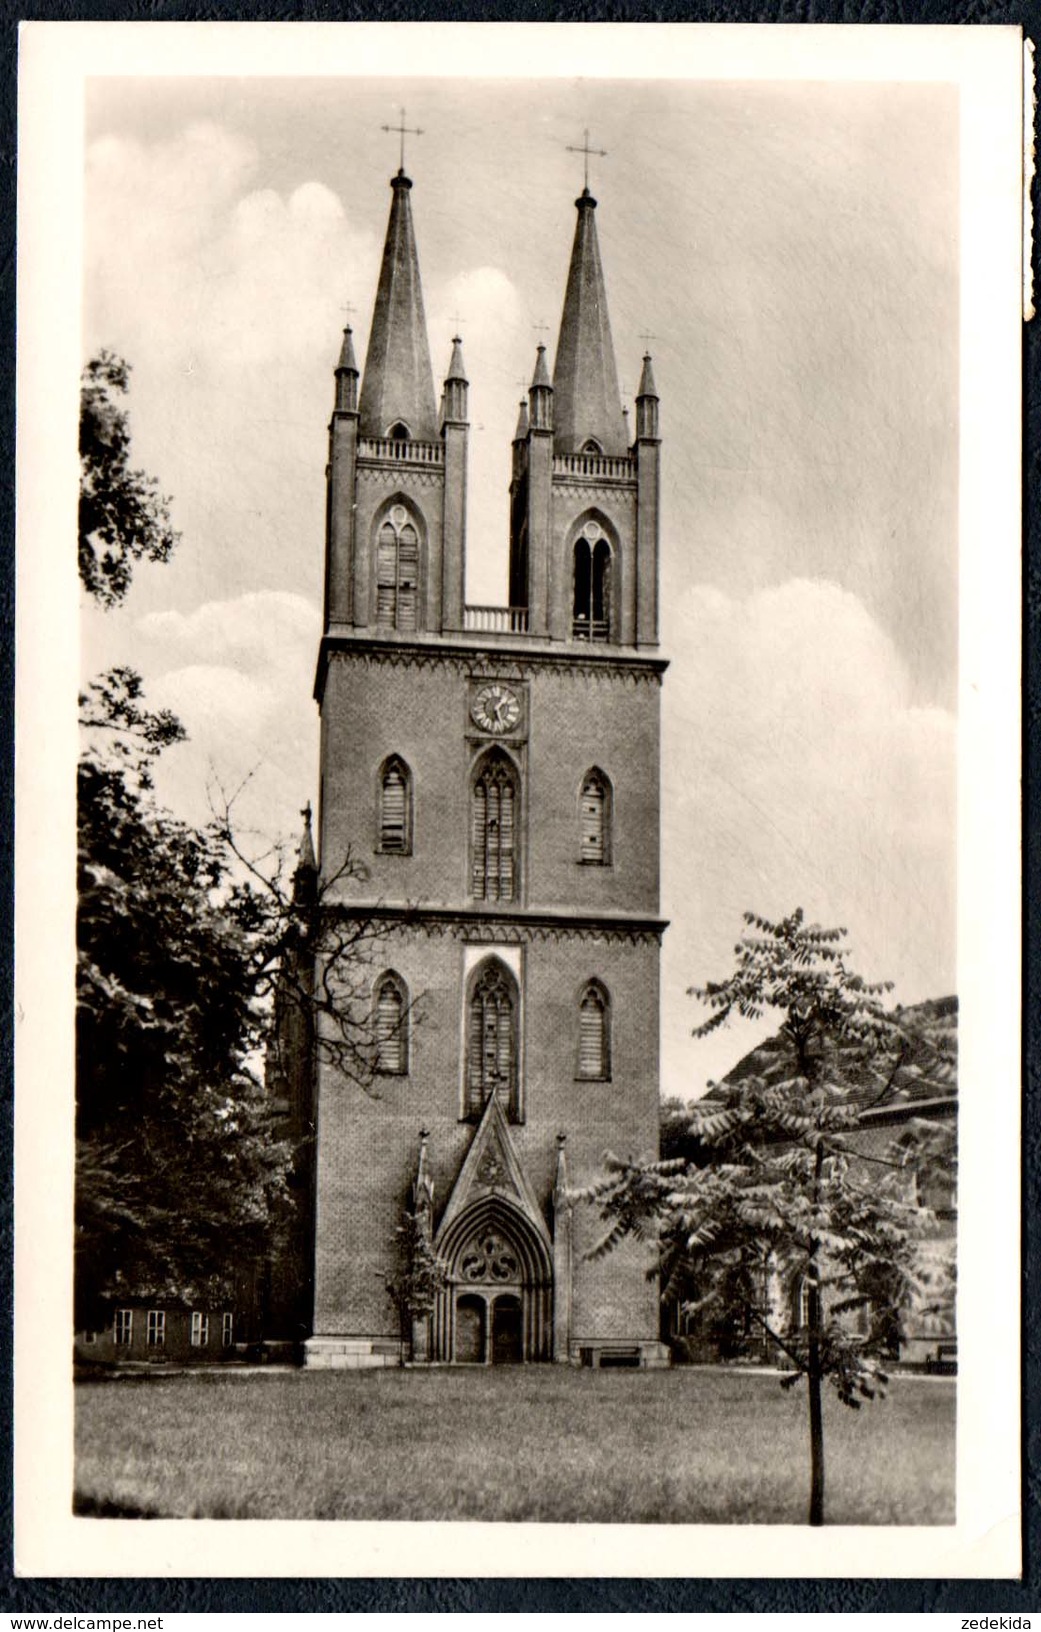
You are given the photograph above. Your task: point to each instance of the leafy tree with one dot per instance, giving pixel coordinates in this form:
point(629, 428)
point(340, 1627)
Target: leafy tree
point(177, 1167)
point(420, 1272)
point(123, 517)
point(196, 982)
point(788, 1200)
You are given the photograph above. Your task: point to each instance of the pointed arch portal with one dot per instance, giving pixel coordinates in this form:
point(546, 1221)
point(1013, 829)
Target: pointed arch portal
point(496, 1305)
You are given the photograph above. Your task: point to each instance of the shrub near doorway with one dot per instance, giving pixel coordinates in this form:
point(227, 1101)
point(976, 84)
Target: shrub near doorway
point(689, 1446)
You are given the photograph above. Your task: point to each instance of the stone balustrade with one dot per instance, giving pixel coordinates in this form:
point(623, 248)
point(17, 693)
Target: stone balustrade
point(496, 620)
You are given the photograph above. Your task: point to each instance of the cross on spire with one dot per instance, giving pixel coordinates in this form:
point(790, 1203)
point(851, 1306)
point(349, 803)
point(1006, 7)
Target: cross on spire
point(402, 130)
point(588, 153)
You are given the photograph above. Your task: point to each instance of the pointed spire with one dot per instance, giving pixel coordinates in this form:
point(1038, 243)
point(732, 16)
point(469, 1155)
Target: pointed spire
point(560, 1183)
point(456, 388)
point(647, 404)
point(398, 385)
point(647, 386)
point(305, 874)
point(522, 422)
point(540, 394)
point(347, 376)
point(347, 361)
point(587, 404)
point(305, 852)
point(456, 368)
point(423, 1188)
point(541, 374)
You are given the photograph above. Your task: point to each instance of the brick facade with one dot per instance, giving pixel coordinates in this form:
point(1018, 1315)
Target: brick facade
point(400, 677)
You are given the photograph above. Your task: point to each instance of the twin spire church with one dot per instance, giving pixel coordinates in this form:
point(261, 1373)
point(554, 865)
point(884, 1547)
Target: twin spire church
point(496, 769)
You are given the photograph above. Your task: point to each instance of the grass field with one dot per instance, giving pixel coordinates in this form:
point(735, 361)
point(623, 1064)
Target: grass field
point(687, 1446)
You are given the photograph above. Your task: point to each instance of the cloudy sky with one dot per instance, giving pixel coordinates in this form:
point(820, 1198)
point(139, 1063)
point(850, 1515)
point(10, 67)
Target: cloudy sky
point(792, 250)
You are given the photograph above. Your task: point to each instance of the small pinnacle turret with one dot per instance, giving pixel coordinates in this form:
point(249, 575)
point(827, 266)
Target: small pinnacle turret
point(305, 856)
point(456, 388)
point(540, 394)
point(647, 404)
point(456, 368)
point(587, 404)
point(305, 875)
point(347, 376)
point(522, 422)
point(397, 392)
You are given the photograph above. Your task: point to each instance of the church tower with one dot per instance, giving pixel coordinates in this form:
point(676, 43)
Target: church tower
point(495, 770)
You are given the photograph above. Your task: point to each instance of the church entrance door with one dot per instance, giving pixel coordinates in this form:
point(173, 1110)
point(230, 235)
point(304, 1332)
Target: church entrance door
point(469, 1331)
point(496, 1307)
point(507, 1331)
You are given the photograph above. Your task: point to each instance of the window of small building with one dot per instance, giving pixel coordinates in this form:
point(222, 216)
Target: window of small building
point(227, 1330)
point(199, 1335)
point(123, 1328)
point(802, 1302)
point(155, 1331)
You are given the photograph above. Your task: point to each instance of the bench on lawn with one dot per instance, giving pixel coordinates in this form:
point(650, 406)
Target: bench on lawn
point(611, 1354)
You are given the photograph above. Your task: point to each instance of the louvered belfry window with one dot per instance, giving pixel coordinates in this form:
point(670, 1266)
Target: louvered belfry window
point(391, 1036)
point(494, 873)
point(595, 817)
point(491, 1063)
point(397, 572)
point(593, 1043)
point(395, 812)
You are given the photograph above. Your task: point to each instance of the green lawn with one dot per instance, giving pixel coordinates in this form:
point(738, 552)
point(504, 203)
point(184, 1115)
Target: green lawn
point(687, 1446)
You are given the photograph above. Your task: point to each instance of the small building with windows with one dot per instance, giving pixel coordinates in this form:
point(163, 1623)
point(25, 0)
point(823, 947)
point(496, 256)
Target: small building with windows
point(136, 1332)
point(496, 771)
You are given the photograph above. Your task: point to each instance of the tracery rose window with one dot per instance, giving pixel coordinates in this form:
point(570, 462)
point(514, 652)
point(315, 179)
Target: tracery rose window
point(489, 1258)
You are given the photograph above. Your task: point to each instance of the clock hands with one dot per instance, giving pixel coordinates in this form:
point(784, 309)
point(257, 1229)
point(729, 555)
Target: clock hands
point(496, 709)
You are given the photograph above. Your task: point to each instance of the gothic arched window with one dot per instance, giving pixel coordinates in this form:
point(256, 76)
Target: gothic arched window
point(397, 571)
point(399, 432)
point(491, 1041)
point(591, 610)
point(494, 831)
point(391, 1025)
point(594, 844)
point(594, 1034)
point(395, 808)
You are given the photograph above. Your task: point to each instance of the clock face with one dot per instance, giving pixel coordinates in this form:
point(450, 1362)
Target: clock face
point(495, 708)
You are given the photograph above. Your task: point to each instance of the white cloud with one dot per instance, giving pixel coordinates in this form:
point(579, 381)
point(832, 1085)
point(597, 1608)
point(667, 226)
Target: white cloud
point(798, 772)
point(238, 674)
point(256, 630)
point(228, 302)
